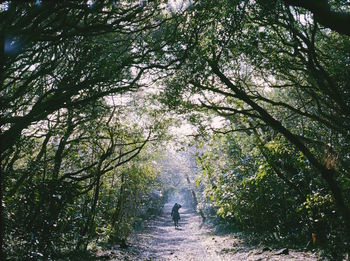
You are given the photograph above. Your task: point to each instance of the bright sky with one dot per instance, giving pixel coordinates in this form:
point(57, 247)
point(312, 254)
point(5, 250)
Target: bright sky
point(178, 5)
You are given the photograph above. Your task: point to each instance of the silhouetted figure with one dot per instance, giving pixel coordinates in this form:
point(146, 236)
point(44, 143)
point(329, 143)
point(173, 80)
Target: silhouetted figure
point(175, 214)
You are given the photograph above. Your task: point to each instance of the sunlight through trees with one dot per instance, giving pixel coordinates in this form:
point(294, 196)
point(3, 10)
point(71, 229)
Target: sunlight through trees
point(97, 96)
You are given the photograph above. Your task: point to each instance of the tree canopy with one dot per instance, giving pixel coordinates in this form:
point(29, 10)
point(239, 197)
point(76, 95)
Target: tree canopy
point(89, 88)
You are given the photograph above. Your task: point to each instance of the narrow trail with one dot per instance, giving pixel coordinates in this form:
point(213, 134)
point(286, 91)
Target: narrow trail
point(184, 243)
point(159, 240)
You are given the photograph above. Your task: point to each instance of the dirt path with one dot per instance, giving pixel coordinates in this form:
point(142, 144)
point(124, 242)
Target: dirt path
point(184, 243)
point(192, 241)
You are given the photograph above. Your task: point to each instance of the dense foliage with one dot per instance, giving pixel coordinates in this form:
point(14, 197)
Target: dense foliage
point(96, 186)
point(269, 190)
point(272, 72)
point(264, 83)
point(76, 153)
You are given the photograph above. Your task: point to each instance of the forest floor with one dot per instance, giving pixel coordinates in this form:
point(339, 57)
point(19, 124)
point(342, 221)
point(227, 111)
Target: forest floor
point(159, 240)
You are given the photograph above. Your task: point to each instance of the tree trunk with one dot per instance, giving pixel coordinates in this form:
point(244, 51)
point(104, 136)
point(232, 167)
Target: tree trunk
point(195, 200)
point(2, 223)
point(92, 214)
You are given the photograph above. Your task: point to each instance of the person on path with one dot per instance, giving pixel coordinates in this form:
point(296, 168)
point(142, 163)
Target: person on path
point(175, 214)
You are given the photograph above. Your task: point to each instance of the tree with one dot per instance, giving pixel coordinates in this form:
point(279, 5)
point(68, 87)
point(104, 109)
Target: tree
point(68, 63)
point(274, 70)
point(325, 14)
point(59, 60)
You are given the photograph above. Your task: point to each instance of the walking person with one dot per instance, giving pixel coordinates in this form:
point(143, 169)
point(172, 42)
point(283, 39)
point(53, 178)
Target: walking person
point(175, 214)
